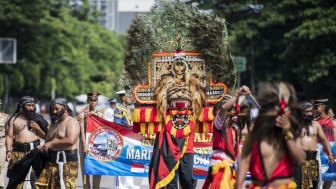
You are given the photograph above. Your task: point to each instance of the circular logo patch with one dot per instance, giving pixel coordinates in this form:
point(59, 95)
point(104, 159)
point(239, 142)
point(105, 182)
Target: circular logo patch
point(180, 121)
point(105, 144)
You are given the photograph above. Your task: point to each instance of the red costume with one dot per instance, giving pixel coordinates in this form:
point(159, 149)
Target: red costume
point(228, 143)
point(284, 169)
point(327, 125)
point(225, 145)
point(173, 143)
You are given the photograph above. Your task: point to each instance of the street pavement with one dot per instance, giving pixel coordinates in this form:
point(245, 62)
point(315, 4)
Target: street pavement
point(108, 182)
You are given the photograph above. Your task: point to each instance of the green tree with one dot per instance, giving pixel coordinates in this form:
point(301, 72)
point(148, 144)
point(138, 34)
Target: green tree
point(289, 40)
point(58, 41)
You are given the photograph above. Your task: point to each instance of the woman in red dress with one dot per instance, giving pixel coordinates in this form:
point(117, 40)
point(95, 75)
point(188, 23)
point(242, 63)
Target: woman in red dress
point(270, 151)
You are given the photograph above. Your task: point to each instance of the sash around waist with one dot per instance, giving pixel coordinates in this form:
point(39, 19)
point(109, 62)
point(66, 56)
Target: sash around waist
point(311, 155)
point(70, 155)
point(25, 147)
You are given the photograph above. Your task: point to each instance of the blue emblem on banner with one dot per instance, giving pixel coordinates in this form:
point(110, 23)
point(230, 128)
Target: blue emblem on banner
point(105, 144)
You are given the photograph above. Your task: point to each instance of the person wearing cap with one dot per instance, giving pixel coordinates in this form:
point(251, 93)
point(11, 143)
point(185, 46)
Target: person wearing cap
point(25, 128)
point(61, 145)
point(92, 100)
point(109, 112)
point(327, 122)
point(328, 125)
point(226, 131)
point(122, 114)
point(306, 175)
point(3, 164)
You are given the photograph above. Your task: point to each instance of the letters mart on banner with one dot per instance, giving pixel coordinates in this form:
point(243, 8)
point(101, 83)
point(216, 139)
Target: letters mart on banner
point(116, 150)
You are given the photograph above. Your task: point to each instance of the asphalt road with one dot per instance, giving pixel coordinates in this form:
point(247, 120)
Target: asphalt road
point(108, 182)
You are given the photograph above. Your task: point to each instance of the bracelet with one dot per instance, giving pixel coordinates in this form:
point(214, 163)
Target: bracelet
point(8, 151)
point(288, 136)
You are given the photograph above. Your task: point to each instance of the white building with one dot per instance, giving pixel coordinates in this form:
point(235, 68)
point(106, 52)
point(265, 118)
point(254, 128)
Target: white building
point(117, 15)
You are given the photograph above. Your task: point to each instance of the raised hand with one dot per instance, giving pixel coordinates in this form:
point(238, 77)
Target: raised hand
point(244, 90)
point(283, 122)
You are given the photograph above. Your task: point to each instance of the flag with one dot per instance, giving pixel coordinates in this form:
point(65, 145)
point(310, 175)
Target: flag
point(328, 170)
point(137, 168)
point(114, 149)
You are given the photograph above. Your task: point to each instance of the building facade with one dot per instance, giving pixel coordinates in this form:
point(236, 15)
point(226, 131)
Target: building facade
point(117, 15)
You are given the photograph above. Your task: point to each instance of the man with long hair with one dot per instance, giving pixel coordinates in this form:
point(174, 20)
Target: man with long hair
point(328, 125)
point(270, 151)
point(24, 130)
point(61, 145)
point(310, 134)
point(226, 138)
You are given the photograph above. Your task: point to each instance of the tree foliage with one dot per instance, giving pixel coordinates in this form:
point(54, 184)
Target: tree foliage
point(58, 44)
point(289, 40)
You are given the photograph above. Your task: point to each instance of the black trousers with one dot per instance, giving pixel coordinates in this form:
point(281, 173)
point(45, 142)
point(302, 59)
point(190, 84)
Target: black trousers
point(184, 173)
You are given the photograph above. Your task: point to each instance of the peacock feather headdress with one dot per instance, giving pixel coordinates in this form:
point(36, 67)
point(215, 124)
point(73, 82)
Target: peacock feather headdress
point(177, 26)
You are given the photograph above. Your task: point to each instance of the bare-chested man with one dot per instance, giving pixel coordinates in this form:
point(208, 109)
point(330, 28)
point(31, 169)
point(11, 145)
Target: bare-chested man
point(306, 175)
point(25, 128)
point(61, 145)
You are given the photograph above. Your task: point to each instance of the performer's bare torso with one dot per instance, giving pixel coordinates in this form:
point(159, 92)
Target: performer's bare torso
point(309, 142)
point(22, 132)
point(271, 155)
point(58, 130)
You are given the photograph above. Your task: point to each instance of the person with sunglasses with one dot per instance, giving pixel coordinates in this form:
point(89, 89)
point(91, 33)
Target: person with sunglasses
point(92, 100)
